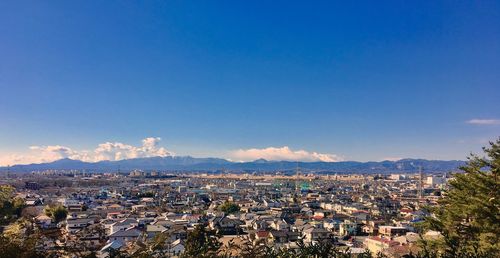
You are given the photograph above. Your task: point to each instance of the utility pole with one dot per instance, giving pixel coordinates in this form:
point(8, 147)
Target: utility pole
point(420, 183)
point(297, 176)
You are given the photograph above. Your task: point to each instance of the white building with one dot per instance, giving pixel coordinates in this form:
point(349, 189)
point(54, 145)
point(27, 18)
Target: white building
point(435, 180)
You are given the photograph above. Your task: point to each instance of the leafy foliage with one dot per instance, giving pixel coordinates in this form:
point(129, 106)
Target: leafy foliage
point(229, 207)
point(202, 243)
point(19, 240)
point(9, 207)
point(57, 212)
point(322, 249)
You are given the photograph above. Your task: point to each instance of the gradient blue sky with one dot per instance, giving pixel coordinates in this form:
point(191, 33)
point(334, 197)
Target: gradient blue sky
point(362, 80)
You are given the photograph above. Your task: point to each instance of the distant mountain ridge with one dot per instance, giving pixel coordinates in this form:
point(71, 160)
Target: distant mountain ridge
point(187, 163)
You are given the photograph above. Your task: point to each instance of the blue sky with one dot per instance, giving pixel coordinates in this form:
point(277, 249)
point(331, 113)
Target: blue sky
point(357, 81)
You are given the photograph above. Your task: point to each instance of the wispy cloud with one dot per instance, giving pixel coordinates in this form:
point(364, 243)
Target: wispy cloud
point(104, 151)
point(484, 121)
point(282, 153)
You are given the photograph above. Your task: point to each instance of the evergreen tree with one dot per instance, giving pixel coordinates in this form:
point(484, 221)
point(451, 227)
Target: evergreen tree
point(468, 216)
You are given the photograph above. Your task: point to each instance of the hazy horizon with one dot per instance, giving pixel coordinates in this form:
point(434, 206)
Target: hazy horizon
point(151, 149)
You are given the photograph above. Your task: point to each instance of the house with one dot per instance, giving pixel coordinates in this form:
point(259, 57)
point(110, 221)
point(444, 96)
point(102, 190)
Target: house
point(348, 228)
point(283, 237)
point(128, 235)
point(277, 236)
point(138, 208)
point(313, 234)
point(123, 224)
point(379, 244)
point(322, 213)
point(91, 241)
point(106, 224)
point(410, 238)
point(33, 201)
point(225, 225)
point(261, 235)
point(75, 207)
point(372, 226)
point(190, 218)
point(392, 231)
point(332, 225)
point(360, 215)
point(177, 247)
point(280, 225)
point(307, 211)
point(43, 221)
point(153, 230)
point(109, 248)
point(114, 207)
point(405, 212)
point(260, 224)
point(75, 225)
point(176, 232)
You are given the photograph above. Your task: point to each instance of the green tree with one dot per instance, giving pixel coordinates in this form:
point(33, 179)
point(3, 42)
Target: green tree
point(155, 247)
point(57, 212)
point(229, 207)
point(322, 249)
point(19, 240)
point(202, 243)
point(468, 215)
point(9, 206)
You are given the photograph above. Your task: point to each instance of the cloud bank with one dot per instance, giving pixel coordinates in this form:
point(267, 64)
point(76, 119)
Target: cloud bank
point(484, 121)
point(282, 153)
point(150, 147)
point(104, 151)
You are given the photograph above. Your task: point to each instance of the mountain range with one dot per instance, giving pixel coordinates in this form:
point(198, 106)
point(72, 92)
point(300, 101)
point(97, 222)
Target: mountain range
point(187, 163)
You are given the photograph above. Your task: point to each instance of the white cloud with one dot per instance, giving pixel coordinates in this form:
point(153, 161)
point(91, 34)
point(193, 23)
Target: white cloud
point(118, 151)
point(104, 151)
point(484, 121)
point(11, 159)
point(50, 153)
point(391, 159)
point(282, 153)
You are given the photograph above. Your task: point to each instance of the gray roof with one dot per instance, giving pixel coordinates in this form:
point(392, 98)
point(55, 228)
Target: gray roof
point(126, 233)
point(113, 245)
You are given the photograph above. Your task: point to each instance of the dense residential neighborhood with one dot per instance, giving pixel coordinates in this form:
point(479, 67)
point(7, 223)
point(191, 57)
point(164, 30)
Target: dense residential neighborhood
point(120, 212)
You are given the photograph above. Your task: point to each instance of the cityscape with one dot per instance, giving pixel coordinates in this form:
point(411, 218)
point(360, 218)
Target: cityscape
point(253, 129)
point(108, 211)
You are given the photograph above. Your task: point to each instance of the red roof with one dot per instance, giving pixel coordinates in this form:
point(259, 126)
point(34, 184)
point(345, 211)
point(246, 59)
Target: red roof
point(262, 234)
point(384, 240)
